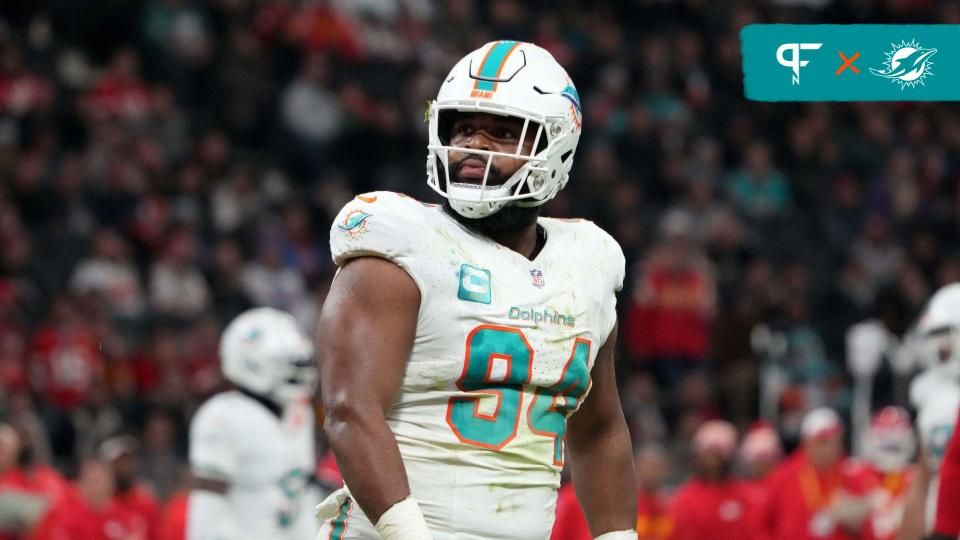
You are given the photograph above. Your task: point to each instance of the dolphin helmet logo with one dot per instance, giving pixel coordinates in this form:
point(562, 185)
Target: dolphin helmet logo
point(907, 64)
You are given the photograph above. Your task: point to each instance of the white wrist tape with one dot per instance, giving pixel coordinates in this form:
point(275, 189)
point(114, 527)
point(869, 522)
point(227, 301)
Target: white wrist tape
point(618, 535)
point(403, 521)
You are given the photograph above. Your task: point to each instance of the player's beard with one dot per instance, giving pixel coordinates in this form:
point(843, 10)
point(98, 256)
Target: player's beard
point(508, 219)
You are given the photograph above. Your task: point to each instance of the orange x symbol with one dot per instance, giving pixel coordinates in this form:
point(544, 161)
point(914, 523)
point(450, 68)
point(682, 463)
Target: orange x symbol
point(848, 62)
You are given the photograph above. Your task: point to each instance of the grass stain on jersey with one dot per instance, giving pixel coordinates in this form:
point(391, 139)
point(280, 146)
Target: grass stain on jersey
point(504, 507)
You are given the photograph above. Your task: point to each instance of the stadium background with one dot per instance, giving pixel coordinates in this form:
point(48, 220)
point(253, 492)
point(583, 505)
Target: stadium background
point(165, 164)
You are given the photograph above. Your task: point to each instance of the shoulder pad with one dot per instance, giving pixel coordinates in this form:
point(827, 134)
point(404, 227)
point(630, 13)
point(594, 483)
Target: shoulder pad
point(378, 224)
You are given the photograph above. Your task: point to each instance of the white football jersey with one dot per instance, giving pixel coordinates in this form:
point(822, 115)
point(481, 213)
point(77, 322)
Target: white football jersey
point(267, 462)
point(502, 356)
point(936, 421)
point(931, 383)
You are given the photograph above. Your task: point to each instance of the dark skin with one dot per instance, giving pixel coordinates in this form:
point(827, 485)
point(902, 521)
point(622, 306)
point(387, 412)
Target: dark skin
point(367, 327)
point(498, 134)
point(209, 484)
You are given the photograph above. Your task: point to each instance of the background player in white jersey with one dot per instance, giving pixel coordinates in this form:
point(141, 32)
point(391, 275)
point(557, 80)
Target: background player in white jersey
point(252, 449)
point(935, 393)
point(459, 339)
point(938, 346)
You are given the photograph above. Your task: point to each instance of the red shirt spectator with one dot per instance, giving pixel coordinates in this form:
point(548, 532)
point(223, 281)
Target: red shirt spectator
point(760, 453)
point(28, 491)
point(888, 448)
point(37, 487)
point(717, 510)
point(21, 91)
point(570, 523)
point(120, 93)
point(653, 520)
point(141, 505)
point(887, 503)
point(68, 362)
point(130, 495)
point(318, 27)
point(813, 489)
point(13, 372)
point(173, 524)
point(88, 512)
point(38, 479)
point(713, 504)
point(673, 300)
point(653, 517)
point(76, 519)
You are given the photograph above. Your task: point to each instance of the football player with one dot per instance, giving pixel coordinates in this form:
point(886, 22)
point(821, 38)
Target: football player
point(935, 424)
point(937, 343)
point(252, 448)
point(935, 392)
point(946, 523)
point(464, 343)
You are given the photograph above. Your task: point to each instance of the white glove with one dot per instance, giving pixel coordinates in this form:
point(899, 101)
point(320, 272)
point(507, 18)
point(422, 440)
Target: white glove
point(403, 521)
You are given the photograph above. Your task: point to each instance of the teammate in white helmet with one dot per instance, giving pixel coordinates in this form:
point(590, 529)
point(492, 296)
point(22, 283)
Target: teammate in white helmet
point(937, 342)
point(252, 448)
point(464, 343)
point(935, 393)
point(935, 424)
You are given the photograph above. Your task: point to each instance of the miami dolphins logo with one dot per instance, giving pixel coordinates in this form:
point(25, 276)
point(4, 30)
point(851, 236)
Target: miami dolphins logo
point(570, 93)
point(355, 224)
point(907, 64)
point(573, 97)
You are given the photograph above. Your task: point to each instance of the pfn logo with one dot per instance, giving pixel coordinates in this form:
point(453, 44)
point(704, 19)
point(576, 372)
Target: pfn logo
point(794, 62)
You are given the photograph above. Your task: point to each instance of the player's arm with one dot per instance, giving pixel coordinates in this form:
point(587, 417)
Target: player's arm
point(914, 512)
point(601, 452)
point(365, 336)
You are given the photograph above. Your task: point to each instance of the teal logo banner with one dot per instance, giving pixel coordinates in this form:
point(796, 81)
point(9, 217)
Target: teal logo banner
point(856, 62)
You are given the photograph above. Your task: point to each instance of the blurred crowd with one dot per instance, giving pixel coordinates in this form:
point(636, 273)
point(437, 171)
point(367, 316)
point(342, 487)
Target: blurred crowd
point(166, 164)
point(750, 489)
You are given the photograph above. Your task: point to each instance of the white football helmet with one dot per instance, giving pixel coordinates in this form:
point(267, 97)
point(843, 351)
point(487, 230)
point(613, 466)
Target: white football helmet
point(263, 351)
point(939, 331)
point(515, 79)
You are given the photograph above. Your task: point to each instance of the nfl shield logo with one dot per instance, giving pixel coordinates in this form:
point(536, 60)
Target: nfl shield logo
point(536, 277)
